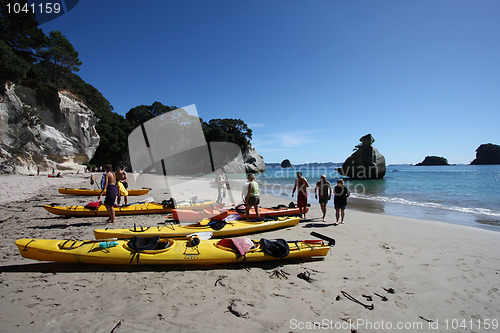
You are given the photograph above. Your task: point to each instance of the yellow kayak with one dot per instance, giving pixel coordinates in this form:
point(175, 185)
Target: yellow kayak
point(162, 251)
point(133, 209)
point(86, 191)
point(218, 228)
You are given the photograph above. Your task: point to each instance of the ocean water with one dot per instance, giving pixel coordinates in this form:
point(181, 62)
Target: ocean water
point(461, 194)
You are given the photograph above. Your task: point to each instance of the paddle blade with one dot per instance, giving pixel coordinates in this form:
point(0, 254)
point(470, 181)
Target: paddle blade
point(331, 241)
point(202, 235)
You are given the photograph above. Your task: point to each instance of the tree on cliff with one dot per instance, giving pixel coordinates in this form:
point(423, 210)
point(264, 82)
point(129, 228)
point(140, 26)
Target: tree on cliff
point(113, 146)
point(24, 47)
point(60, 58)
point(228, 130)
point(20, 43)
point(12, 67)
point(142, 113)
point(220, 130)
point(20, 31)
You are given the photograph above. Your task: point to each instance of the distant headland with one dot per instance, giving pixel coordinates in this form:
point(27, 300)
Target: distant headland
point(433, 160)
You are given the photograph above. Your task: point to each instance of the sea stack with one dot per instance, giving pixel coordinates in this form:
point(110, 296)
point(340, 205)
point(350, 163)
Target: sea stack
point(487, 154)
point(365, 163)
point(286, 164)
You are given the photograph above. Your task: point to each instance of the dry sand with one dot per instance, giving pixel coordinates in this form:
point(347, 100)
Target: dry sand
point(441, 272)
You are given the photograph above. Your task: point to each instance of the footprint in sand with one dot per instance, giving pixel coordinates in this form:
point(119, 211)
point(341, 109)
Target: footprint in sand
point(393, 277)
point(400, 305)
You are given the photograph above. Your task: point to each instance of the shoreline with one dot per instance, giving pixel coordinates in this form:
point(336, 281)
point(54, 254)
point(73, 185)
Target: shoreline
point(439, 271)
point(442, 215)
point(369, 205)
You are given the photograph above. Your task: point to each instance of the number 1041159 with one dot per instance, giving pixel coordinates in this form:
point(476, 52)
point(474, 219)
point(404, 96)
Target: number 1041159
point(478, 324)
point(41, 8)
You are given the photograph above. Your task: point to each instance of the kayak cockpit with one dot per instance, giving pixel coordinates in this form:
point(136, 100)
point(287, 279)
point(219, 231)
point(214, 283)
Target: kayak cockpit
point(149, 245)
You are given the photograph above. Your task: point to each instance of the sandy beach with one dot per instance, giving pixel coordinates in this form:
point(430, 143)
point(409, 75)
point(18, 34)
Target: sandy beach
point(433, 276)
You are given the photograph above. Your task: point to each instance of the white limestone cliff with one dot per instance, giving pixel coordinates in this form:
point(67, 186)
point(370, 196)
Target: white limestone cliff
point(33, 134)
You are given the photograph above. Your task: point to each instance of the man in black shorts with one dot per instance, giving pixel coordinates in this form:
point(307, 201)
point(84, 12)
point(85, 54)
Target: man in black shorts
point(340, 200)
point(325, 193)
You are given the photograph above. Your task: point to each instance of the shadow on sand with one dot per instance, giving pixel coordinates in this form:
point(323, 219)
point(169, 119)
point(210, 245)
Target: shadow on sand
point(318, 225)
point(47, 267)
point(64, 226)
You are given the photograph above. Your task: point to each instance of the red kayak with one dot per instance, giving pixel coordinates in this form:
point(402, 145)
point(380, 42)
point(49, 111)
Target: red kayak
point(57, 176)
point(185, 215)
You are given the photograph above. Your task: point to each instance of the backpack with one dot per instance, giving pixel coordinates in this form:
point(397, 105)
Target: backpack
point(143, 243)
point(277, 248)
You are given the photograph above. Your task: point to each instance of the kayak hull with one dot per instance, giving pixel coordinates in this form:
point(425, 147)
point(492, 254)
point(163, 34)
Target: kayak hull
point(172, 252)
point(90, 192)
point(186, 215)
point(234, 228)
point(135, 209)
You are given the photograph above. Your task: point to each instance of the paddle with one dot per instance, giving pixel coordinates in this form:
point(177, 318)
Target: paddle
point(194, 239)
point(150, 199)
point(331, 241)
point(202, 235)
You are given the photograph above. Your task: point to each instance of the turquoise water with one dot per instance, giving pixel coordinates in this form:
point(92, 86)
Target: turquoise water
point(462, 194)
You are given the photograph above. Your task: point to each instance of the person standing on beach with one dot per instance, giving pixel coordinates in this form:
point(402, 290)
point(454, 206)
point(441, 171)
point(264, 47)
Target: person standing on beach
point(340, 200)
point(252, 199)
point(325, 193)
point(111, 192)
point(121, 176)
point(301, 186)
point(221, 181)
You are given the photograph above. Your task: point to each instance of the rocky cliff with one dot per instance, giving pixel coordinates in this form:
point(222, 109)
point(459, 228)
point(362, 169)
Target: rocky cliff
point(487, 154)
point(254, 162)
point(44, 130)
point(365, 163)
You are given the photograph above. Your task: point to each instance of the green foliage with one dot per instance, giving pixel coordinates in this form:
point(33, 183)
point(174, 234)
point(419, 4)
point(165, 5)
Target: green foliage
point(20, 42)
point(113, 146)
point(21, 33)
point(12, 67)
point(142, 113)
point(228, 130)
point(59, 58)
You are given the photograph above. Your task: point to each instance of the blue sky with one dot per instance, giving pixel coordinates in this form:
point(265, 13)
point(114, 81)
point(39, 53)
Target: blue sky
point(308, 77)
